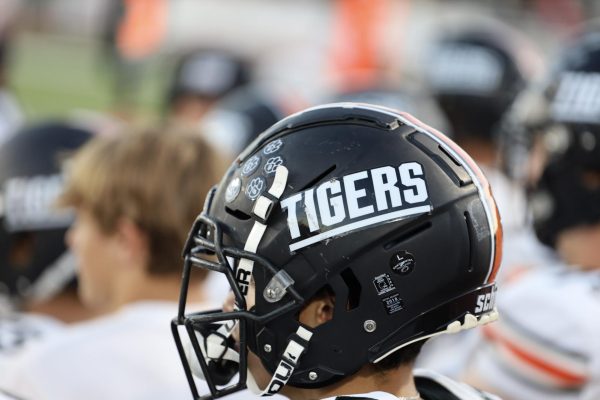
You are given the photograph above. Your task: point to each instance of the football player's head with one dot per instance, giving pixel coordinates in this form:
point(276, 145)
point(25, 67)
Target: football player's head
point(383, 221)
point(475, 75)
point(203, 77)
point(567, 192)
point(132, 194)
point(34, 264)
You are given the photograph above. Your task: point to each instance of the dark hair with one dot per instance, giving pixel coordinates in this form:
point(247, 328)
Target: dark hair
point(404, 356)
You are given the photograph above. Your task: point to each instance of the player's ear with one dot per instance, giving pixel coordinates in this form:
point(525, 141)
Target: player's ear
point(318, 311)
point(133, 243)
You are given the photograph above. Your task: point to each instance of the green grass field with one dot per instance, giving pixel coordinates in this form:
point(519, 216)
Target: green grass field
point(53, 75)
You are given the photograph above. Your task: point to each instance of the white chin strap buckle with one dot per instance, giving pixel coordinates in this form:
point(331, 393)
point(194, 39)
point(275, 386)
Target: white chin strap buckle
point(296, 346)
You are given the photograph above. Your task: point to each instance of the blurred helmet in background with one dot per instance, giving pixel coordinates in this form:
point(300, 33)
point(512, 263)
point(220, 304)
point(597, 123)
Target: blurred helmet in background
point(34, 263)
point(567, 194)
point(475, 75)
point(208, 74)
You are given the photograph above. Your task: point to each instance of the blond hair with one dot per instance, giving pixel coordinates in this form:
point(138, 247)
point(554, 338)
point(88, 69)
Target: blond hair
point(156, 179)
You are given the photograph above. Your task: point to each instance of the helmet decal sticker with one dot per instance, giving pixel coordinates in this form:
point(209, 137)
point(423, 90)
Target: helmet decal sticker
point(251, 165)
point(576, 98)
point(28, 203)
point(485, 302)
point(466, 68)
point(393, 304)
point(233, 190)
point(402, 263)
point(272, 164)
point(255, 187)
point(273, 147)
point(383, 284)
point(356, 201)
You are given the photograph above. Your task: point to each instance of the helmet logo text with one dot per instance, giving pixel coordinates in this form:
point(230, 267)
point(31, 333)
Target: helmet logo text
point(356, 201)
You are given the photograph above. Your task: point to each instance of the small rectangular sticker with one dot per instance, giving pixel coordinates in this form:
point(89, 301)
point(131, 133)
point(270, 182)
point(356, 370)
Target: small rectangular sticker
point(383, 284)
point(393, 304)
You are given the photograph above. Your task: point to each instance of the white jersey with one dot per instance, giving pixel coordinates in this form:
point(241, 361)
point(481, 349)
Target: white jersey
point(130, 355)
point(522, 250)
point(450, 354)
point(510, 199)
point(431, 386)
point(547, 342)
point(8, 396)
point(216, 288)
point(20, 330)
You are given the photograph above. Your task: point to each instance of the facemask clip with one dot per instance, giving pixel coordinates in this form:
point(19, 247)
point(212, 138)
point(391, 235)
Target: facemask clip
point(277, 287)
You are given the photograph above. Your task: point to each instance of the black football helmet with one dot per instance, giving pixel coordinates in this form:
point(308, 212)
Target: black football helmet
point(404, 98)
point(567, 193)
point(384, 212)
point(34, 263)
point(475, 75)
point(209, 73)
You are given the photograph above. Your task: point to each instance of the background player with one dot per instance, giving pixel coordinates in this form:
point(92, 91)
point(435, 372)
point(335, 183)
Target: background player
point(133, 194)
point(38, 292)
point(546, 346)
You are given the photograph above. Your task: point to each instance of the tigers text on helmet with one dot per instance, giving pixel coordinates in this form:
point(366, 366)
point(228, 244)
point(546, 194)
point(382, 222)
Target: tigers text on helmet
point(384, 212)
point(34, 263)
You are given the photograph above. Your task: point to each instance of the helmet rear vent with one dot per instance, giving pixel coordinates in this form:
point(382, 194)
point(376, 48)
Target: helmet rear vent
point(237, 214)
point(354, 288)
point(471, 233)
point(407, 235)
point(443, 158)
point(319, 178)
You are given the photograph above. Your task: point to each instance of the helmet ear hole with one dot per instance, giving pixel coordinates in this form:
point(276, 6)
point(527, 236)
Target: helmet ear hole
point(320, 309)
point(471, 232)
point(590, 179)
point(21, 250)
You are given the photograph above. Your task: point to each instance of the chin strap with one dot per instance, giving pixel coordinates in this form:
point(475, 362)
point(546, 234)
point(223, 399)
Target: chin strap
point(214, 346)
point(262, 209)
point(296, 346)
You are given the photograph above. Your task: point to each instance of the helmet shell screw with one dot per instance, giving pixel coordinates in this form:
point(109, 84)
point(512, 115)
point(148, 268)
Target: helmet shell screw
point(370, 325)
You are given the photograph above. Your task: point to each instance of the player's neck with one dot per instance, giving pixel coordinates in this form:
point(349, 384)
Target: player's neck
point(65, 307)
point(577, 246)
point(399, 382)
point(156, 288)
